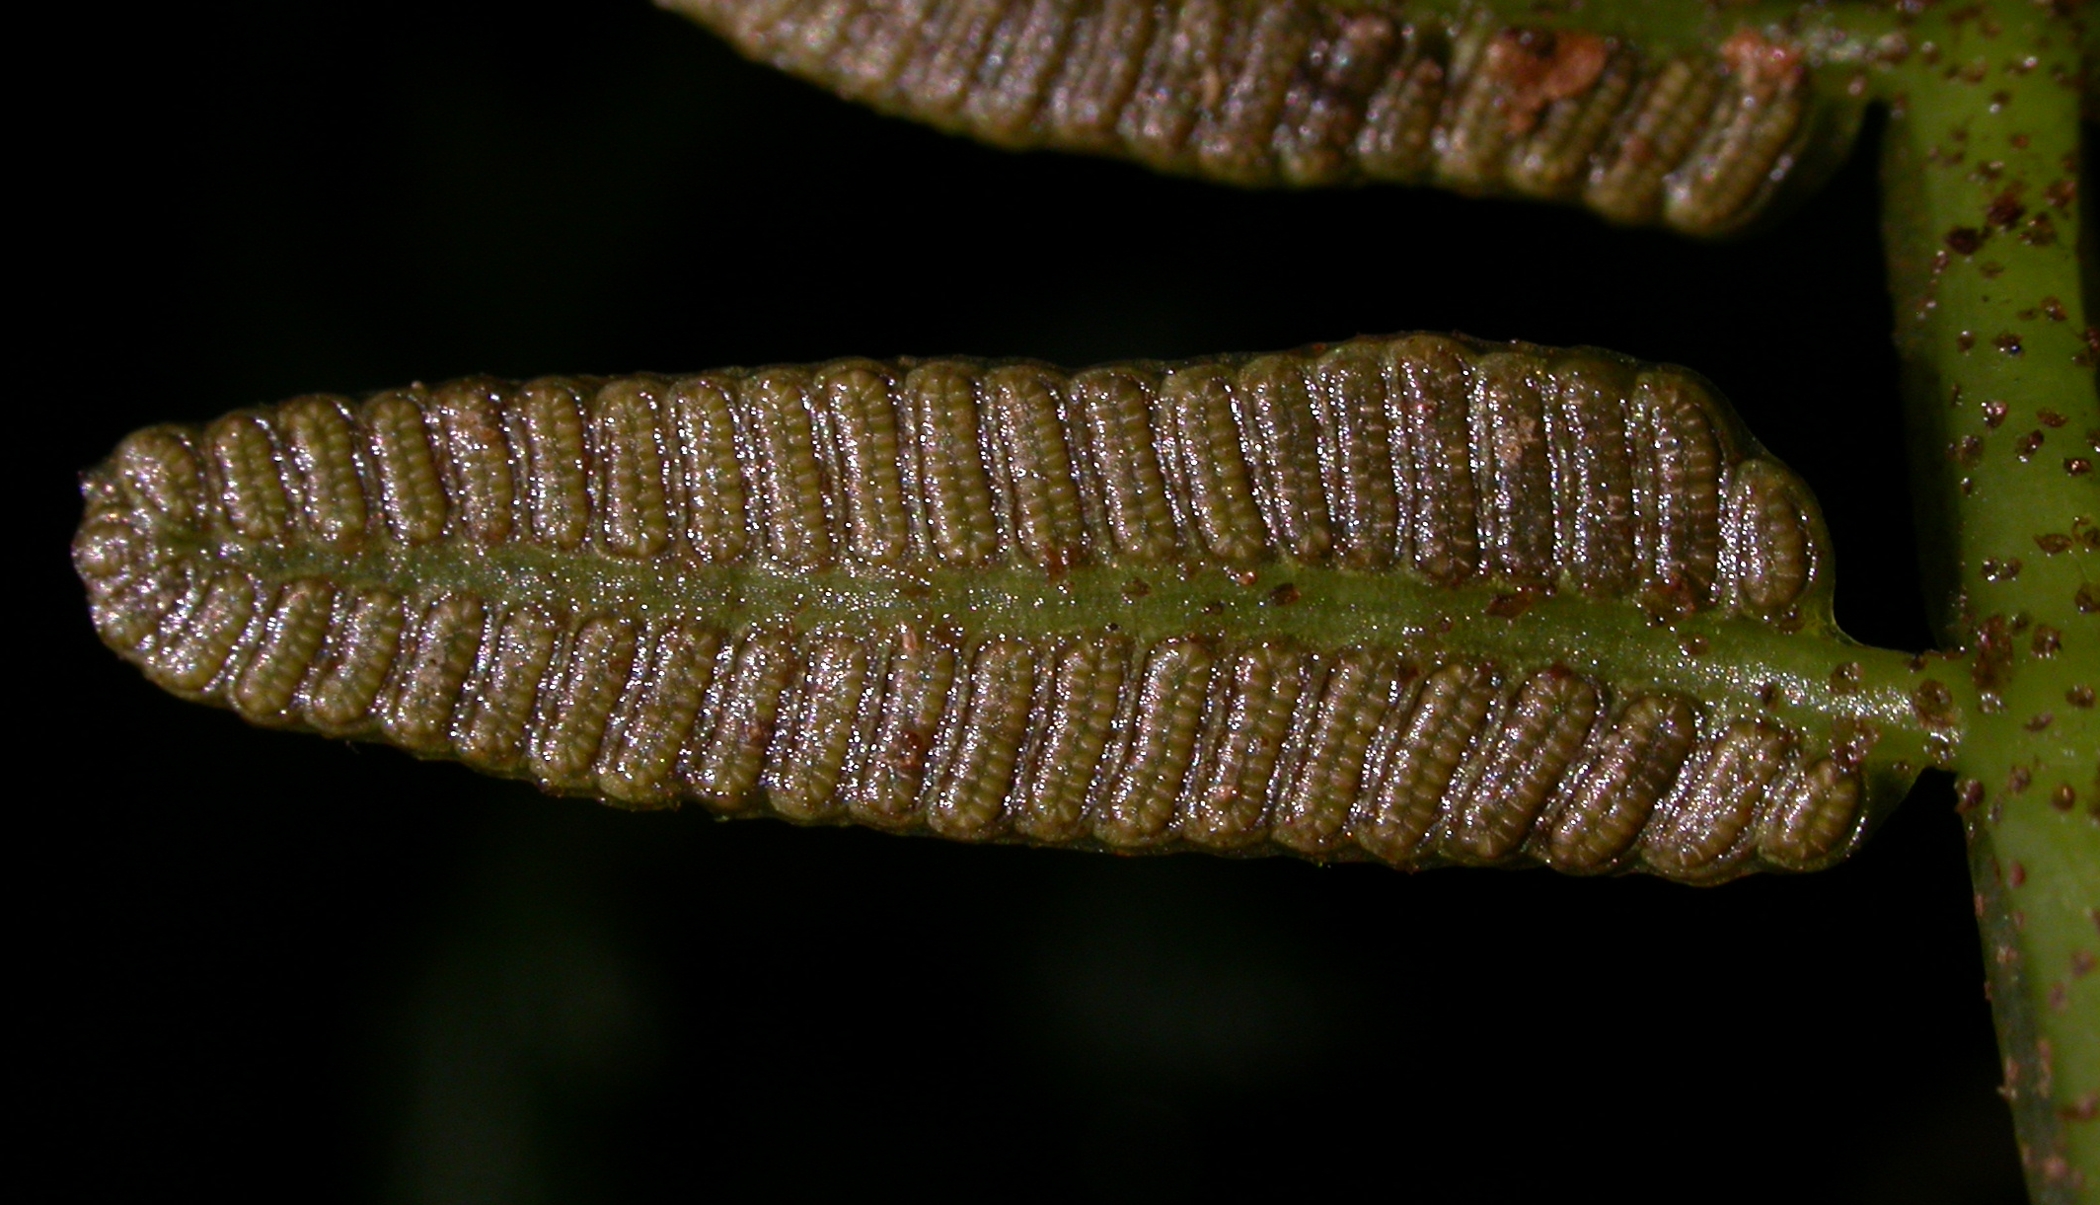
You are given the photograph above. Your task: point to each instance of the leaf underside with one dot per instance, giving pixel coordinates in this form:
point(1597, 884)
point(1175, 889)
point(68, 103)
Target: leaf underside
point(1418, 599)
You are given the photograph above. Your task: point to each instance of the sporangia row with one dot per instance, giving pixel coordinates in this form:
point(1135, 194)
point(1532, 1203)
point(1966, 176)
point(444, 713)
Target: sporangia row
point(1284, 602)
point(1304, 92)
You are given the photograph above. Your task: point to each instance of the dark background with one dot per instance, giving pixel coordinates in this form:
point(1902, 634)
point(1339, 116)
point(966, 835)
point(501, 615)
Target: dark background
point(267, 965)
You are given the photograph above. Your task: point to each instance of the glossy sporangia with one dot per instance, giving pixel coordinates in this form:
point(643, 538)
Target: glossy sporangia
point(1345, 602)
point(1306, 93)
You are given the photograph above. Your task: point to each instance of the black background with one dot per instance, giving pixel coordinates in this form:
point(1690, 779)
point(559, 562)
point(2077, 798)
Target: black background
point(269, 965)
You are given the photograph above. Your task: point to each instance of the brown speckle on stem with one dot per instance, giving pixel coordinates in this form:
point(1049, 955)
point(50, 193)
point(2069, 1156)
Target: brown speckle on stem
point(1967, 798)
point(2005, 209)
point(1934, 704)
point(1509, 606)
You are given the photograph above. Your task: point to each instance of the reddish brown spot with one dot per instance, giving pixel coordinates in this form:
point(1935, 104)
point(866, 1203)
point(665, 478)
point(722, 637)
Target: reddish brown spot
point(2027, 445)
point(1242, 578)
point(1964, 240)
point(2063, 798)
point(2039, 722)
point(2018, 875)
point(1283, 595)
point(2016, 783)
point(1855, 740)
point(2077, 466)
point(2081, 963)
point(2053, 542)
point(2054, 308)
point(1509, 606)
point(909, 754)
point(1845, 678)
point(1966, 451)
point(2061, 194)
point(1693, 646)
point(1934, 705)
point(1540, 66)
point(1993, 414)
point(2019, 141)
point(2086, 1107)
point(1995, 570)
point(2047, 640)
point(1135, 589)
point(2008, 343)
point(1991, 269)
point(1058, 564)
point(2079, 696)
point(2040, 231)
point(2086, 599)
point(1993, 654)
point(1967, 798)
point(1763, 66)
point(2049, 418)
point(2005, 209)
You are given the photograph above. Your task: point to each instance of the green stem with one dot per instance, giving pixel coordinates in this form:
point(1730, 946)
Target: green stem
point(1980, 177)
